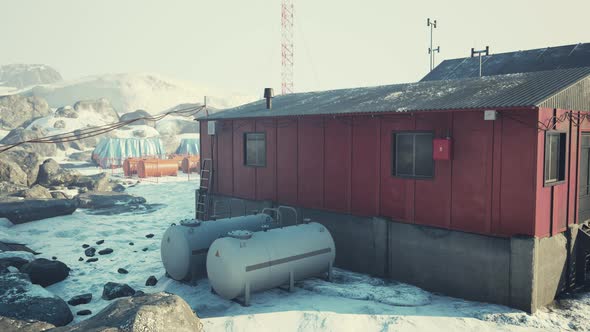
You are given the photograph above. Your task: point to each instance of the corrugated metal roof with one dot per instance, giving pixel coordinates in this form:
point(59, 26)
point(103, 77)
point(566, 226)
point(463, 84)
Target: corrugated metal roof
point(550, 58)
point(491, 92)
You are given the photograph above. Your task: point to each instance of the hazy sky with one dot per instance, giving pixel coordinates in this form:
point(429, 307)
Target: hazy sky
point(235, 45)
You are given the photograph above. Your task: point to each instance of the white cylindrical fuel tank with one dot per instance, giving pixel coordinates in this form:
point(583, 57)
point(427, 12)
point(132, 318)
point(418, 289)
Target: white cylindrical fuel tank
point(184, 247)
point(247, 262)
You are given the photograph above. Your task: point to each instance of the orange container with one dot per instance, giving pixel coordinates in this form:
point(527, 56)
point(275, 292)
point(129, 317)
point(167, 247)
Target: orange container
point(177, 158)
point(130, 166)
point(190, 164)
point(156, 168)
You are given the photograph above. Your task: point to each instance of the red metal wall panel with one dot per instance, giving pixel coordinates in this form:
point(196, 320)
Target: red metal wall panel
point(472, 173)
point(244, 176)
point(225, 176)
point(517, 194)
point(432, 199)
point(397, 194)
point(337, 164)
point(311, 162)
point(365, 166)
point(287, 161)
point(266, 185)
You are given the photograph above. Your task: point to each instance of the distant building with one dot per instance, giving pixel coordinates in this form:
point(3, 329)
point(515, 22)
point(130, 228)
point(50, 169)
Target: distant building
point(470, 186)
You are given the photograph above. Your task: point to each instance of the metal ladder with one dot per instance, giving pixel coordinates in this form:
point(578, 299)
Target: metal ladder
point(202, 194)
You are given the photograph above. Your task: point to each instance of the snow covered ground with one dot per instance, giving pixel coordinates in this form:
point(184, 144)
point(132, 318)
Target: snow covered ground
point(353, 302)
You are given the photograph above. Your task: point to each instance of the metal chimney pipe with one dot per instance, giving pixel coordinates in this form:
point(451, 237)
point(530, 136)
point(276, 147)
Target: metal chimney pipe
point(268, 95)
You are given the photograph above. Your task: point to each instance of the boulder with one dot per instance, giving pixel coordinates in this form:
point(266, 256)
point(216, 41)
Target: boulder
point(84, 312)
point(59, 124)
point(35, 192)
point(102, 200)
point(45, 272)
point(97, 182)
point(80, 299)
point(66, 112)
point(59, 195)
point(147, 312)
point(106, 251)
point(27, 160)
point(113, 290)
point(151, 281)
point(19, 111)
point(15, 325)
point(137, 115)
point(20, 135)
point(101, 107)
point(12, 173)
point(22, 300)
point(90, 252)
point(19, 211)
point(7, 188)
point(52, 174)
point(81, 156)
point(17, 262)
point(22, 75)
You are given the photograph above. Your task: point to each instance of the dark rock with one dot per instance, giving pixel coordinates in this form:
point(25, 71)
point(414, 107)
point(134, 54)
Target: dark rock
point(131, 243)
point(27, 160)
point(59, 124)
point(45, 272)
point(54, 258)
point(137, 115)
point(85, 245)
point(122, 271)
point(84, 312)
point(92, 260)
point(15, 325)
point(20, 134)
point(66, 112)
point(90, 252)
point(99, 242)
point(19, 111)
point(113, 290)
point(139, 293)
point(13, 261)
point(149, 236)
point(81, 156)
point(144, 249)
point(117, 187)
point(98, 182)
point(105, 251)
point(20, 211)
point(80, 299)
point(108, 200)
point(59, 195)
point(151, 281)
point(80, 259)
point(11, 172)
point(19, 299)
point(148, 312)
point(35, 192)
point(51, 174)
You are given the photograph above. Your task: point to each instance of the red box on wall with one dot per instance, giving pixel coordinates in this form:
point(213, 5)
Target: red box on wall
point(442, 148)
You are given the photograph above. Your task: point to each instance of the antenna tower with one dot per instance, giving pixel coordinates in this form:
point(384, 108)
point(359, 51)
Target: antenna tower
point(287, 46)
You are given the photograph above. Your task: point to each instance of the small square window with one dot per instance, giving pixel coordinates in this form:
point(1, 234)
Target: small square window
point(255, 149)
point(555, 149)
point(412, 155)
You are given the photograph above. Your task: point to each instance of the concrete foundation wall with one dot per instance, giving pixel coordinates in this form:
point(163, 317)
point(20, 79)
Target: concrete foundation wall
point(521, 272)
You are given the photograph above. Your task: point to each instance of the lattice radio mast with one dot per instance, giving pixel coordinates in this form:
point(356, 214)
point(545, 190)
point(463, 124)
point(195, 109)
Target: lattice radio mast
point(287, 46)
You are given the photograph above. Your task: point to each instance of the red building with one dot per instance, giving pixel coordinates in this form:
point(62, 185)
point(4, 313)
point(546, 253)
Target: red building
point(502, 156)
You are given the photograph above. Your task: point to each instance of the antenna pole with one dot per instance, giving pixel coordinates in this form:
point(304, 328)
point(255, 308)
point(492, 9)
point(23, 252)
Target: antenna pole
point(479, 53)
point(431, 50)
point(287, 46)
